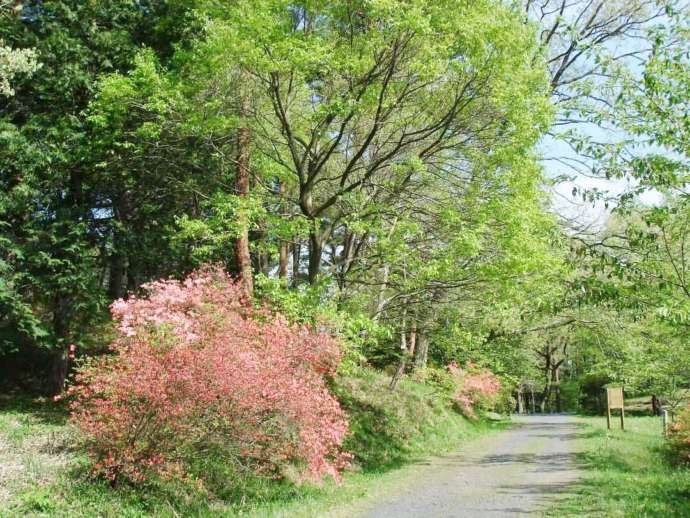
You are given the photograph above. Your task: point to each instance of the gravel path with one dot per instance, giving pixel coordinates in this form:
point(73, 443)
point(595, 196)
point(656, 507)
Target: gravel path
point(513, 473)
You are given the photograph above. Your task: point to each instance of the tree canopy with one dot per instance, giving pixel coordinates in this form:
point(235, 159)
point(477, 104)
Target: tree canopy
point(378, 167)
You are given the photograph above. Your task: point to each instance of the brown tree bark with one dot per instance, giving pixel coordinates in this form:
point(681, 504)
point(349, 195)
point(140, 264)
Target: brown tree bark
point(283, 260)
point(315, 254)
point(58, 371)
point(242, 255)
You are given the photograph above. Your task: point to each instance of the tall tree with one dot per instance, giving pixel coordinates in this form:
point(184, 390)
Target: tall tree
point(51, 210)
point(362, 96)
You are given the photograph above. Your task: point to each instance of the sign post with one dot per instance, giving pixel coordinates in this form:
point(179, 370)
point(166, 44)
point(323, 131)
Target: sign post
point(614, 401)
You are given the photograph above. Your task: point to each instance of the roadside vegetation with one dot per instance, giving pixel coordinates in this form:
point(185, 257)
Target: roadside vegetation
point(626, 473)
point(45, 475)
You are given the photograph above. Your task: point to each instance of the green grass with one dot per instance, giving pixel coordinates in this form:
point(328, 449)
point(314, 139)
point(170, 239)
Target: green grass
point(389, 431)
point(626, 473)
point(32, 445)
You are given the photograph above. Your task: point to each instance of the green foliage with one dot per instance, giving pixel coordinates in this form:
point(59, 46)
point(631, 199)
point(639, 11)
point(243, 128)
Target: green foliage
point(56, 212)
point(395, 171)
point(390, 428)
point(312, 305)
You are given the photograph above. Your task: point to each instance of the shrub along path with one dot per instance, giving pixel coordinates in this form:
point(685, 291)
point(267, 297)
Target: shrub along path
point(511, 473)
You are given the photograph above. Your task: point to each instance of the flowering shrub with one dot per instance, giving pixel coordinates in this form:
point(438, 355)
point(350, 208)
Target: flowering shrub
point(679, 435)
point(197, 372)
point(476, 389)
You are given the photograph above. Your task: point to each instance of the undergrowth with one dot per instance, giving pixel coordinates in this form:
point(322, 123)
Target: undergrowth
point(387, 430)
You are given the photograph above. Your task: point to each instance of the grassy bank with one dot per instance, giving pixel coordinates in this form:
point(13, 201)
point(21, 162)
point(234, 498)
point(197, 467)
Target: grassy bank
point(626, 473)
point(42, 475)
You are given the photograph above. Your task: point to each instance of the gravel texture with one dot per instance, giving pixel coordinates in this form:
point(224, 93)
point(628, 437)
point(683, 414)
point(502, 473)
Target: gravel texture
point(513, 473)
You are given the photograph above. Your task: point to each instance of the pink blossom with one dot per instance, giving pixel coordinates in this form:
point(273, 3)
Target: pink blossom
point(475, 388)
point(194, 365)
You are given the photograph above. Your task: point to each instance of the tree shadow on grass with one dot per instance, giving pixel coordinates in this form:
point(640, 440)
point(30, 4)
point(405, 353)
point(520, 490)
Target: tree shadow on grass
point(623, 479)
point(39, 409)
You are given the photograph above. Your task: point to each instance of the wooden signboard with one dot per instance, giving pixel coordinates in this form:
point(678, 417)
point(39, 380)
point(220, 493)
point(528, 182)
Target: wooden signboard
point(614, 401)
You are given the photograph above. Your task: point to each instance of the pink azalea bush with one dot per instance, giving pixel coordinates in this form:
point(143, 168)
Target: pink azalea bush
point(679, 436)
point(477, 389)
point(195, 371)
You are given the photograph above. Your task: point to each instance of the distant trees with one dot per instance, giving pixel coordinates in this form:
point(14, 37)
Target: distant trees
point(392, 156)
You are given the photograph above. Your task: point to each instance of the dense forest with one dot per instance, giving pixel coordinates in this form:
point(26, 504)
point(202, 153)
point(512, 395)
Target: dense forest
point(491, 191)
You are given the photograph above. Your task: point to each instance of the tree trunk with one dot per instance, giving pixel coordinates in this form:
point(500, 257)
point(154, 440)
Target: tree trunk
point(315, 253)
point(58, 371)
point(117, 276)
point(401, 366)
point(283, 260)
point(58, 367)
point(520, 402)
point(403, 354)
point(557, 384)
point(296, 260)
point(534, 403)
point(422, 352)
point(242, 256)
point(413, 339)
point(546, 394)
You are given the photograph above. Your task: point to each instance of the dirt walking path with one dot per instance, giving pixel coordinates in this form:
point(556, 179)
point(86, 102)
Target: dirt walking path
point(513, 473)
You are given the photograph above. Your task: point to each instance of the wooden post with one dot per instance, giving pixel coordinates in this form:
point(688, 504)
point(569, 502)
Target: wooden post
point(608, 417)
point(615, 401)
